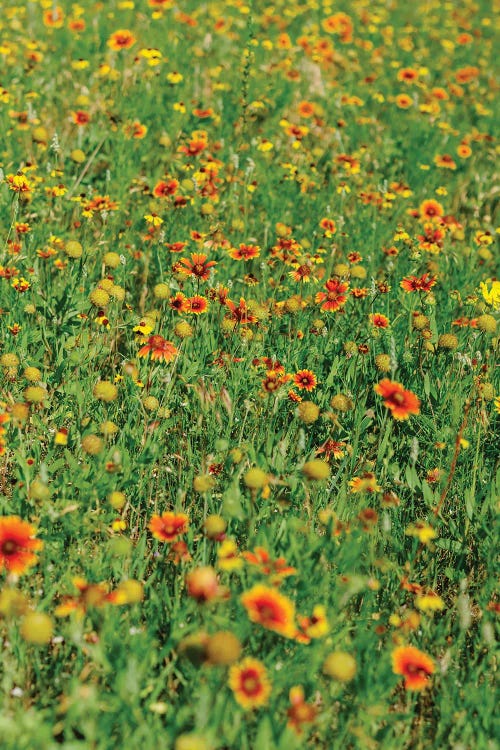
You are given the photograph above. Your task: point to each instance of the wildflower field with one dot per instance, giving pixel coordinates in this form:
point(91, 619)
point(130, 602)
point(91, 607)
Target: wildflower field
point(250, 399)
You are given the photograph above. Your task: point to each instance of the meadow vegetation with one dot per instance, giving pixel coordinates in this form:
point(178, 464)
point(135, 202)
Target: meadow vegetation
point(249, 391)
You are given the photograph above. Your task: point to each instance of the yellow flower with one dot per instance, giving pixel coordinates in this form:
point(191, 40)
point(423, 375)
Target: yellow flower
point(429, 602)
point(174, 77)
point(145, 327)
point(153, 219)
point(492, 295)
point(228, 556)
point(423, 531)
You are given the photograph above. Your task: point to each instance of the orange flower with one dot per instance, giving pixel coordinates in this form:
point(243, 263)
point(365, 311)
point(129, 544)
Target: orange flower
point(300, 712)
point(415, 284)
point(378, 320)
point(163, 188)
point(54, 17)
point(197, 266)
point(464, 151)
point(302, 272)
point(414, 665)
point(80, 117)
point(401, 402)
point(408, 75)
point(430, 210)
point(240, 313)
point(445, 161)
point(168, 526)
point(467, 74)
point(404, 101)
point(335, 297)
point(135, 129)
point(367, 482)
point(339, 23)
point(17, 545)
point(329, 226)
point(160, 349)
point(270, 609)
point(314, 626)
point(89, 595)
point(305, 380)
point(197, 304)
point(306, 109)
point(276, 569)
point(121, 39)
point(176, 247)
point(244, 252)
point(332, 447)
point(250, 684)
point(179, 302)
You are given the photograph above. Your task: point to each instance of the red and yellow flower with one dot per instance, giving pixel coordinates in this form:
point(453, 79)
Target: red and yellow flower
point(250, 684)
point(198, 265)
point(335, 296)
point(271, 609)
point(169, 526)
point(160, 349)
point(276, 569)
point(415, 666)
point(121, 39)
point(300, 712)
point(305, 380)
point(17, 545)
point(244, 252)
point(401, 402)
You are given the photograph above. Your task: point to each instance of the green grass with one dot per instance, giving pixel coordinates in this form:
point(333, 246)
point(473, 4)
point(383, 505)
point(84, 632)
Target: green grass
point(129, 674)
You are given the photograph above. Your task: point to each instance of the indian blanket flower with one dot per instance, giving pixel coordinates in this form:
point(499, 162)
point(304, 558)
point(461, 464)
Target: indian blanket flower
point(54, 17)
point(271, 609)
point(165, 188)
point(250, 684)
point(335, 296)
point(197, 305)
point(305, 380)
point(300, 712)
point(169, 526)
point(367, 482)
point(17, 545)
point(19, 183)
point(333, 448)
point(228, 557)
point(160, 349)
point(276, 569)
point(418, 284)
point(198, 265)
point(97, 595)
point(415, 666)
point(401, 402)
point(240, 313)
point(121, 39)
point(378, 320)
point(244, 252)
point(315, 626)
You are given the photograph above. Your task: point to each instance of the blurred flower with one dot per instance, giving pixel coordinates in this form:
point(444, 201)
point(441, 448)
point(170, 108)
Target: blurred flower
point(17, 545)
point(169, 526)
point(300, 712)
point(269, 608)
point(250, 684)
point(402, 403)
point(415, 666)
